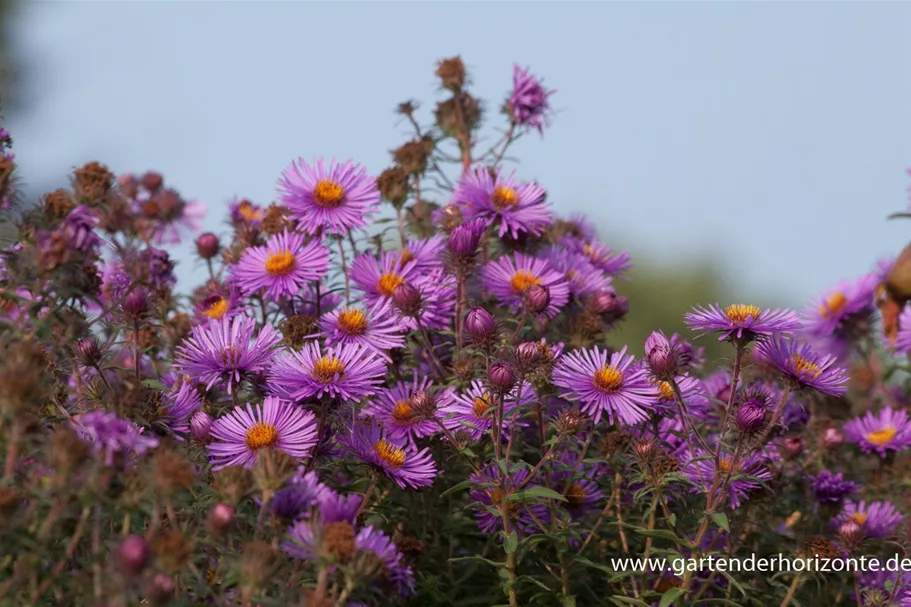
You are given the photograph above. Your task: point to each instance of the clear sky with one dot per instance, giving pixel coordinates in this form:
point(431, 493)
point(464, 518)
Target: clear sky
point(771, 136)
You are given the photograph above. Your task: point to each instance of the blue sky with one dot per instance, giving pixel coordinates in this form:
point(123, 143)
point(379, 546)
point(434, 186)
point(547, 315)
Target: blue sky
point(770, 137)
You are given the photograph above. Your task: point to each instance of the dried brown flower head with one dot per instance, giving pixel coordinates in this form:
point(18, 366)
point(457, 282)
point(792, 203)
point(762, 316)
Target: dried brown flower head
point(58, 204)
point(92, 182)
point(393, 185)
point(414, 155)
point(451, 73)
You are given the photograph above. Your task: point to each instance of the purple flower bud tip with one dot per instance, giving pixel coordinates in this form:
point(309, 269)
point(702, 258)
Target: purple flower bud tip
point(850, 533)
point(464, 239)
point(537, 298)
point(832, 438)
point(480, 325)
point(221, 517)
point(750, 417)
point(207, 245)
point(201, 427)
point(136, 304)
point(662, 356)
point(88, 351)
point(528, 354)
point(793, 446)
point(501, 376)
point(133, 555)
point(407, 298)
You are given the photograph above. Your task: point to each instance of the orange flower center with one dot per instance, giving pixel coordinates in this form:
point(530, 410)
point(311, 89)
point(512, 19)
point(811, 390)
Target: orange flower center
point(217, 308)
point(883, 436)
point(389, 453)
point(261, 435)
point(607, 379)
point(806, 368)
point(575, 495)
point(859, 517)
point(833, 304)
point(740, 313)
point(327, 368)
point(523, 280)
point(328, 194)
point(503, 197)
point(481, 405)
point(249, 212)
point(280, 264)
point(388, 282)
point(352, 321)
point(407, 256)
point(402, 411)
point(726, 464)
point(667, 392)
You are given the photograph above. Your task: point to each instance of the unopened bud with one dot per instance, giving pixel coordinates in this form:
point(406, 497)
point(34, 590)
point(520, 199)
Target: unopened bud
point(407, 299)
point(207, 245)
point(201, 427)
point(662, 357)
point(129, 185)
point(480, 327)
point(136, 304)
point(88, 351)
point(569, 421)
point(832, 438)
point(851, 534)
point(501, 376)
point(644, 449)
point(151, 181)
point(161, 589)
point(464, 239)
point(528, 355)
point(537, 299)
point(793, 446)
point(750, 417)
point(221, 517)
point(134, 555)
point(422, 403)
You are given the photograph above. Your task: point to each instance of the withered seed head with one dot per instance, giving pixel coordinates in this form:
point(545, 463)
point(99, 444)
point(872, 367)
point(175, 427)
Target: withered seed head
point(172, 549)
point(296, 329)
point(338, 541)
point(171, 472)
point(92, 182)
point(393, 185)
point(58, 204)
point(451, 73)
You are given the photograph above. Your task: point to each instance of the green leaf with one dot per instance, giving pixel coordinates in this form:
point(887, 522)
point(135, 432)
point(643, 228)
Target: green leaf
point(568, 601)
point(511, 542)
point(457, 487)
point(670, 596)
point(154, 383)
point(536, 493)
point(672, 520)
point(625, 600)
point(721, 519)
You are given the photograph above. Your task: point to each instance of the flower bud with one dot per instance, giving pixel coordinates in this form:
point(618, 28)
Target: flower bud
point(602, 301)
point(644, 449)
point(134, 555)
point(832, 438)
point(569, 421)
point(407, 299)
point(207, 245)
point(750, 417)
point(851, 534)
point(451, 73)
point(136, 304)
point(501, 376)
point(464, 239)
point(480, 327)
point(151, 181)
point(793, 446)
point(221, 517)
point(422, 403)
point(161, 589)
point(88, 351)
point(537, 298)
point(662, 357)
point(528, 355)
point(129, 185)
point(201, 427)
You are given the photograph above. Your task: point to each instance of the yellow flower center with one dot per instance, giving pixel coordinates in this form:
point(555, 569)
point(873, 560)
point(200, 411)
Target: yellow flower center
point(481, 405)
point(591, 252)
point(249, 212)
point(407, 256)
point(328, 194)
point(327, 368)
point(607, 379)
point(388, 282)
point(883, 436)
point(402, 411)
point(740, 313)
point(261, 435)
point(859, 517)
point(352, 321)
point(523, 280)
point(833, 304)
point(667, 392)
point(496, 498)
point(217, 308)
point(806, 368)
point(389, 453)
point(503, 197)
point(280, 264)
point(575, 495)
point(725, 464)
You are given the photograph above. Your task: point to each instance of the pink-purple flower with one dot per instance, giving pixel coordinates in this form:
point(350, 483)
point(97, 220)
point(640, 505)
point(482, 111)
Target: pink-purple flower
point(517, 207)
point(802, 367)
point(529, 102)
point(510, 277)
point(349, 372)
point(887, 430)
point(742, 322)
point(397, 459)
point(282, 267)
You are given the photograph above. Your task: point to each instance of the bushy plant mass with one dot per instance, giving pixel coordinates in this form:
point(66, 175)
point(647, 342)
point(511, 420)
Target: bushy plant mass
point(421, 404)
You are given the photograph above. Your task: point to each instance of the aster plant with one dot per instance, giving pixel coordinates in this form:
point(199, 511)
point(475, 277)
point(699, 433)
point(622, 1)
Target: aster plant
point(402, 387)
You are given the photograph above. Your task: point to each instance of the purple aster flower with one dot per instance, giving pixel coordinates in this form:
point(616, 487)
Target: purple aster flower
point(614, 385)
point(79, 226)
point(903, 337)
point(393, 569)
point(830, 488)
point(463, 241)
point(600, 255)
point(581, 276)
point(157, 268)
point(110, 435)
point(332, 515)
point(519, 207)
point(405, 464)
point(424, 254)
point(436, 307)
point(225, 349)
point(378, 278)
point(282, 267)
point(164, 215)
point(575, 482)
point(220, 301)
point(181, 402)
point(239, 435)
point(718, 385)
point(803, 367)
point(529, 104)
point(336, 199)
point(691, 389)
point(473, 410)
point(487, 496)
point(748, 476)
point(303, 492)
point(742, 322)
point(689, 356)
point(843, 310)
point(395, 409)
point(375, 327)
point(876, 519)
point(115, 281)
point(888, 430)
point(244, 212)
point(349, 372)
point(511, 276)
